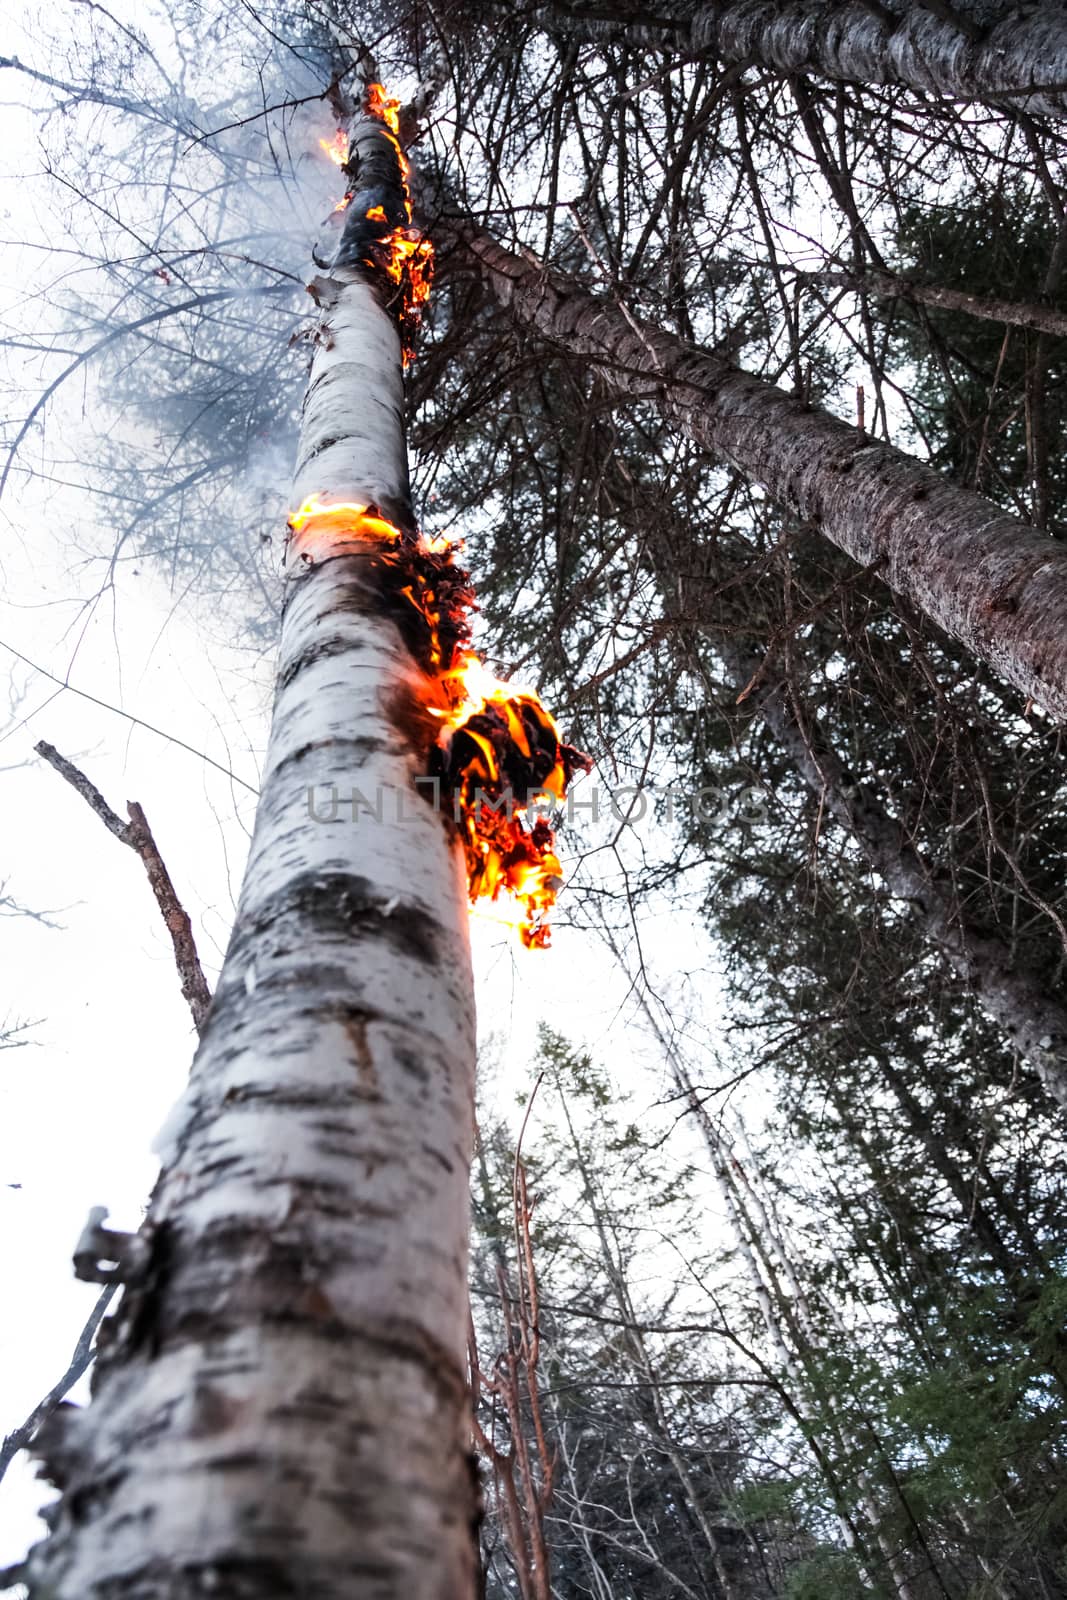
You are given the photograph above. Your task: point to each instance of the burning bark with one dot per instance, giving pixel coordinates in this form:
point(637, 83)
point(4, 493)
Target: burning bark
point(280, 1403)
point(499, 759)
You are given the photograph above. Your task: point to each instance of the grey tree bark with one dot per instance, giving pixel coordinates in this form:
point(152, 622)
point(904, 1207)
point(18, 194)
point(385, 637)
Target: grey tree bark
point(1019, 61)
point(986, 578)
point(887, 286)
point(280, 1407)
point(1034, 1020)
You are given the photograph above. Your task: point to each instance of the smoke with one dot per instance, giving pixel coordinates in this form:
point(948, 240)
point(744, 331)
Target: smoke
point(193, 206)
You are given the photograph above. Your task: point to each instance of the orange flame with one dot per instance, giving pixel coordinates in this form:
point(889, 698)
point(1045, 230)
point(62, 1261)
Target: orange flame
point(411, 257)
point(385, 106)
point(404, 254)
point(510, 860)
point(490, 729)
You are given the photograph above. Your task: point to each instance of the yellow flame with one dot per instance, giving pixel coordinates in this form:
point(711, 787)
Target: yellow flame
point(352, 513)
point(336, 148)
point(383, 105)
point(475, 687)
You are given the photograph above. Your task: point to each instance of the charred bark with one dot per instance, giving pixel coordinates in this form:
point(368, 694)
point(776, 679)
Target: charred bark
point(280, 1405)
point(986, 578)
point(1019, 61)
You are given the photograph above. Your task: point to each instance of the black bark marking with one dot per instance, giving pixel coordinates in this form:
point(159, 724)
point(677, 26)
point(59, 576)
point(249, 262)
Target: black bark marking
point(322, 650)
point(246, 1578)
point(321, 445)
point(360, 747)
point(212, 1411)
point(344, 905)
point(412, 1063)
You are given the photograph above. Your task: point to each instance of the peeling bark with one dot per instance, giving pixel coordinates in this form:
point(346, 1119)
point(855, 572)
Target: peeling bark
point(1034, 1021)
point(989, 580)
point(1019, 62)
point(280, 1405)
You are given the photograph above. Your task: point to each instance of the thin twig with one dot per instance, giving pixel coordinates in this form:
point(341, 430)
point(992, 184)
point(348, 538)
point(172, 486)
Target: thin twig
point(21, 1437)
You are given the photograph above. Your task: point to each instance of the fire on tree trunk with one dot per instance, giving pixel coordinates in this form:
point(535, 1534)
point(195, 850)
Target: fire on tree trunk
point(280, 1404)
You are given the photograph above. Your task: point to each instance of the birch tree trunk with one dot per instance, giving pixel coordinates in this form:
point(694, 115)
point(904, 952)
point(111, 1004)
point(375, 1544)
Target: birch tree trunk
point(986, 578)
point(1019, 62)
point(281, 1407)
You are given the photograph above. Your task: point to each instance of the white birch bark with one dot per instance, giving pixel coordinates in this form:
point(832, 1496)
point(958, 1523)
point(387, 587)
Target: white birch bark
point(281, 1407)
point(1018, 62)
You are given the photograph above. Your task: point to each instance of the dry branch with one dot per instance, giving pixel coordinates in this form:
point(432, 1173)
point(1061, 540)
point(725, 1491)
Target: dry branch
point(22, 1436)
point(138, 835)
point(889, 286)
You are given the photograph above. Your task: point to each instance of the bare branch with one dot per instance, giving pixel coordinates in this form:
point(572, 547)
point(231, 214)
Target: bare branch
point(21, 1437)
point(138, 835)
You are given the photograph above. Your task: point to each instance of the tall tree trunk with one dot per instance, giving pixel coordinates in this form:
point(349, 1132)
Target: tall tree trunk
point(1033, 1019)
point(891, 286)
point(820, 1432)
point(656, 1419)
point(1019, 62)
point(986, 578)
point(281, 1406)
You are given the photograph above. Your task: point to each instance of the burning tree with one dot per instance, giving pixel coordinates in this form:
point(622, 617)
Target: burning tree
point(723, 622)
point(281, 1402)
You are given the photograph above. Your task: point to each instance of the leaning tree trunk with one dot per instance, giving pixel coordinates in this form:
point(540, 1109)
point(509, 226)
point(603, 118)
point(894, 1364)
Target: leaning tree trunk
point(1018, 62)
point(280, 1407)
point(1033, 1019)
point(891, 286)
point(986, 578)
